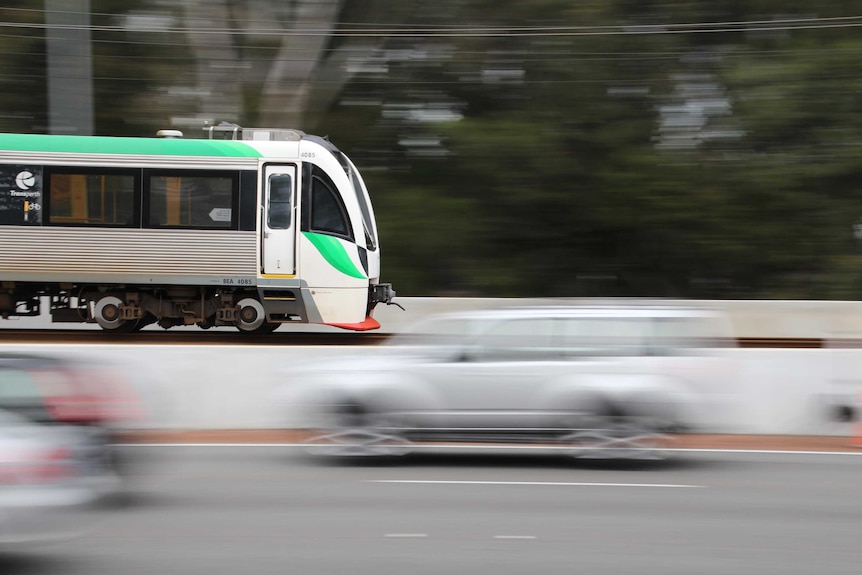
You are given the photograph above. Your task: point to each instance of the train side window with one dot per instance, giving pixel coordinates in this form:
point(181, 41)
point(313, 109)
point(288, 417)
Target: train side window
point(328, 214)
point(91, 197)
point(280, 194)
point(248, 202)
point(189, 199)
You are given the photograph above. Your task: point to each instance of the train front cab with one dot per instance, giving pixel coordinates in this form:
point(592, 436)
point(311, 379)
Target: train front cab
point(318, 236)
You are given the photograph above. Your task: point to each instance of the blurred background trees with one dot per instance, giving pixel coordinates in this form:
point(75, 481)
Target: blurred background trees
point(545, 148)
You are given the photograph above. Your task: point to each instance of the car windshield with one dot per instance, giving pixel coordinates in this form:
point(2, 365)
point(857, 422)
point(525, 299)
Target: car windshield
point(439, 331)
point(690, 333)
point(17, 385)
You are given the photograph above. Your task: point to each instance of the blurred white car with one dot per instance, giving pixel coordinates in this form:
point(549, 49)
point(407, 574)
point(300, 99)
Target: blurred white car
point(47, 481)
point(597, 379)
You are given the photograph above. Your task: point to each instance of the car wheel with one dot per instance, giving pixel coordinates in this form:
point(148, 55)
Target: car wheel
point(603, 430)
point(353, 430)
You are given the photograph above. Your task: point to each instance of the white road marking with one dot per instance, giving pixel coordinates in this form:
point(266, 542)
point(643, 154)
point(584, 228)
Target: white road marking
point(406, 535)
point(515, 537)
point(536, 483)
point(858, 452)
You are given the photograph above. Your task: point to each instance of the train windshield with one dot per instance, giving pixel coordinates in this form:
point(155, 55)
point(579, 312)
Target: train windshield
point(361, 196)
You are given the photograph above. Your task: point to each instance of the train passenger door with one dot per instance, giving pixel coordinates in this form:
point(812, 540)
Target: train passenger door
point(279, 220)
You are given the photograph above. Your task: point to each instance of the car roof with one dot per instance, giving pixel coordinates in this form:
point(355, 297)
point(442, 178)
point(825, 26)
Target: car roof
point(585, 311)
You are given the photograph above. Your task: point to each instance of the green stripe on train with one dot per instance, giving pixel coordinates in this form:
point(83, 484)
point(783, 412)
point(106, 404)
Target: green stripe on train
point(125, 146)
point(333, 252)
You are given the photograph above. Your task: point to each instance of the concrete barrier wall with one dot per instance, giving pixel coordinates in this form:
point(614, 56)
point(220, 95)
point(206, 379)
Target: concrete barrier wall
point(781, 391)
point(217, 387)
point(750, 318)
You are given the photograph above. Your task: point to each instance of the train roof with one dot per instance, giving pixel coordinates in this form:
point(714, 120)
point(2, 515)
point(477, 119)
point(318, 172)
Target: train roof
point(43, 143)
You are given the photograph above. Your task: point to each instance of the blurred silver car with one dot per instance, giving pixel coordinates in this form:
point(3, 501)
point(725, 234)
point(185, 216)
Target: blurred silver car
point(47, 481)
point(598, 380)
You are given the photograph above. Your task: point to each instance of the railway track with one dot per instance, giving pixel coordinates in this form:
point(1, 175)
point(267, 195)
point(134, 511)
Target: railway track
point(786, 342)
point(229, 337)
point(190, 337)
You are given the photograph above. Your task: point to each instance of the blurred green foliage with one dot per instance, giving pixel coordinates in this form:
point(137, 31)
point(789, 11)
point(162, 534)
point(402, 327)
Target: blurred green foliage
point(705, 164)
point(555, 148)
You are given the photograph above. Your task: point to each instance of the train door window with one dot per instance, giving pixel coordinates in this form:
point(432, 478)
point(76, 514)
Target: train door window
point(328, 214)
point(191, 199)
point(93, 197)
point(280, 207)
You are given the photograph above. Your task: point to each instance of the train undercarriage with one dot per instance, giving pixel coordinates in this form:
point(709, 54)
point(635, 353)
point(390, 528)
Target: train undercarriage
point(125, 309)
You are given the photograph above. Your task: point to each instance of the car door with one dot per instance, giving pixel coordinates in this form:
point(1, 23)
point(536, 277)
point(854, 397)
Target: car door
point(497, 378)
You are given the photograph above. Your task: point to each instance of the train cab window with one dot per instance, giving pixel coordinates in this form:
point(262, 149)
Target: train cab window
point(327, 210)
point(91, 197)
point(360, 192)
point(186, 199)
point(280, 194)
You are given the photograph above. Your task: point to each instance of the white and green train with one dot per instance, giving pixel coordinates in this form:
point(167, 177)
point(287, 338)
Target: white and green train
point(251, 228)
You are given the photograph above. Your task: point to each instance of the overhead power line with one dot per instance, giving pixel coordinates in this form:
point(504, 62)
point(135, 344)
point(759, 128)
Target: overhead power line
point(404, 27)
point(360, 30)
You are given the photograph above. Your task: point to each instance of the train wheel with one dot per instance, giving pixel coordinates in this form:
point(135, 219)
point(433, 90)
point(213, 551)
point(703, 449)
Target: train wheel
point(108, 316)
point(251, 318)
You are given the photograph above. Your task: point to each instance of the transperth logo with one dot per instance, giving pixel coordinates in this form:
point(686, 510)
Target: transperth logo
point(25, 180)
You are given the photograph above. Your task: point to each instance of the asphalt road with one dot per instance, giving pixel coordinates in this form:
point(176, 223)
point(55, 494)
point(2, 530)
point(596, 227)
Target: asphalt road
point(262, 509)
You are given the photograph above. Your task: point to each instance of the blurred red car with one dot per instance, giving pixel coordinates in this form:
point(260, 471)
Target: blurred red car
point(53, 390)
point(49, 389)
